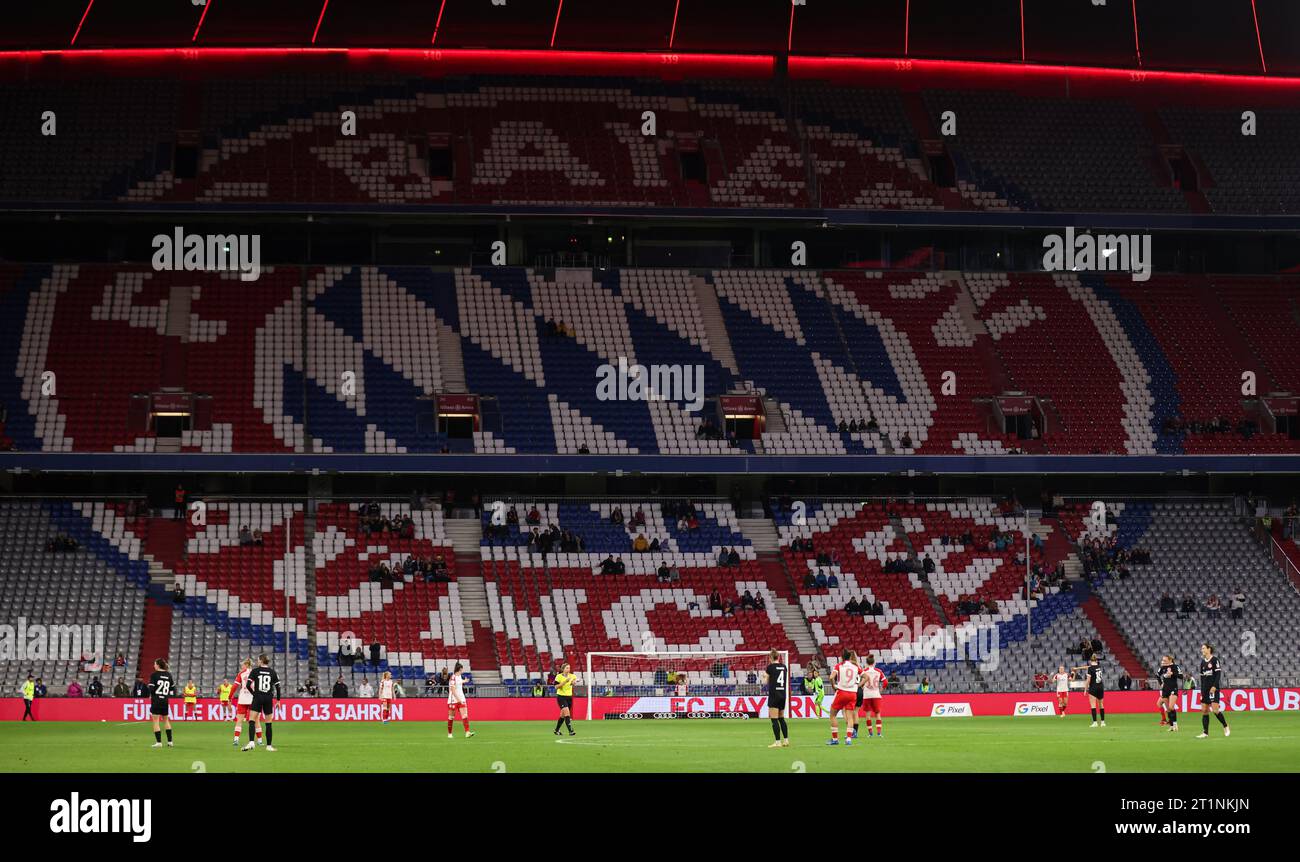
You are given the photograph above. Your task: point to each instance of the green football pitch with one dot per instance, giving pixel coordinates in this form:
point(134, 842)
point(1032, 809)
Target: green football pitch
point(1260, 742)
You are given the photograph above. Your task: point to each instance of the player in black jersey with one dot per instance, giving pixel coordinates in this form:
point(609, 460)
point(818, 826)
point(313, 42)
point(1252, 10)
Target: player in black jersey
point(1211, 691)
point(262, 683)
point(1169, 675)
point(777, 677)
point(161, 688)
point(1096, 688)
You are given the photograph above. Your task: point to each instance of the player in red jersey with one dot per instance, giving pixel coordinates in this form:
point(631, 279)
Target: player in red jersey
point(873, 682)
point(386, 695)
point(242, 700)
point(457, 705)
point(844, 676)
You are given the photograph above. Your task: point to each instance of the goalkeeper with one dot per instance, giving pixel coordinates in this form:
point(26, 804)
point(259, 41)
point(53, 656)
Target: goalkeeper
point(812, 685)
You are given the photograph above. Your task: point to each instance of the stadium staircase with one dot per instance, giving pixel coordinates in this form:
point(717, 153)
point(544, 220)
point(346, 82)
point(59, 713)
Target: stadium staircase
point(451, 359)
point(309, 565)
point(466, 534)
point(767, 542)
point(1112, 637)
point(164, 544)
point(714, 326)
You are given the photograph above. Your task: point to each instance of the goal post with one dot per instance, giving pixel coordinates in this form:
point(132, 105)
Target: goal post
point(647, 682)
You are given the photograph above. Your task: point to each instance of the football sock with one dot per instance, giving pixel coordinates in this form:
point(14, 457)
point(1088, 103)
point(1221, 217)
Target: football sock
point(268, 733)
point(1205, 722)
point(169, 734)
point(568, 722)
point(1103, 713)
point(1173, 716)
point(559, 722)
point(1094, 714)
point(451, 725)
point(776, 728)
point(785, 731)
point(1223, 721)
point(465, 721)
point(157, 734)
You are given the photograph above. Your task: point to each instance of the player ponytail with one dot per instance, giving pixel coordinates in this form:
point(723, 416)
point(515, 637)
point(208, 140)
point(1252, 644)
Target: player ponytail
point(457, 668)
point(774, 655)
point(160, 663)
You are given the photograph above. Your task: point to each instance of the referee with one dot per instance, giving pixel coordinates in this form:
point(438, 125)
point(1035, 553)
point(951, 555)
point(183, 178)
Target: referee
point(29, 694)
point(564, 681)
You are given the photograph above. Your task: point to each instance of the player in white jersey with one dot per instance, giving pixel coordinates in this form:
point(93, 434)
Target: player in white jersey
point(872, 681)
point(844, 676)
point(386, 686)
point(456, 703)
point(243, 700)
point(1062, 680)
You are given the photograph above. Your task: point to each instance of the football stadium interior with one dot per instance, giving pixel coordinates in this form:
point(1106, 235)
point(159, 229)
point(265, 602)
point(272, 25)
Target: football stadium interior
point(503, 334)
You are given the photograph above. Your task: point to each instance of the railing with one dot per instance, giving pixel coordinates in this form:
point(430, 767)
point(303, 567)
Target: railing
point(1284, 562)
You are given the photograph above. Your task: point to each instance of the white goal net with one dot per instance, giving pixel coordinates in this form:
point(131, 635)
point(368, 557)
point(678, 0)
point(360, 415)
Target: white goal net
point(676, 684)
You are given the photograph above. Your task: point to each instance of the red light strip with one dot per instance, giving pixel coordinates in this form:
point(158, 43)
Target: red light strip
point(673, 34)
point(81, 22)
point(1137, 43)
point(1258, 41)
point(556, 28)
point(438, 23)
point(319, 20)
point(803, 66)
point(789, 38)
point(813, 67)
point(206, 7)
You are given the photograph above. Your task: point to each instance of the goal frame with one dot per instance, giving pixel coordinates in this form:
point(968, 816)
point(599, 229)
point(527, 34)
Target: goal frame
point(692, 654)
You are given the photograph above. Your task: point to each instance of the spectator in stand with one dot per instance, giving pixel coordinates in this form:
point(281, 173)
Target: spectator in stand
point(760, 603)
point(1213, 606)
point(365, 691)
point(640, 544)
point(832, 582)
point(906, 440)
point(715, 601)
point(853, 609)
point(877, 609)
point(340, 688)
point(139, 689)
point(583, 450)
point(723, 557)
point(74, 689)
point(534, 516)
point(1125, 681)
point(178, 594)
point(822, 582)
point(245, 536)
point(926, 687)
point(96, 688)
point(809, 580)
point(733, 559)
point(538, 690)
point(1237, 605)
point(747, 601)
point(662, 573)
point(119, 661)
point(178, 514)
point(616, 516)
point(638, 518)
point(1167, 604)
point(927, 565)
point(1189, 605)
point(120, 689)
